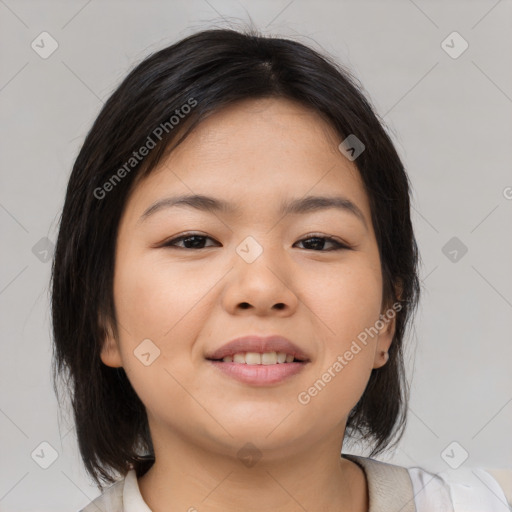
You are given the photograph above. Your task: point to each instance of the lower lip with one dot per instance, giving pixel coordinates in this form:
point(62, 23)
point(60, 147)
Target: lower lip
point(259, 374)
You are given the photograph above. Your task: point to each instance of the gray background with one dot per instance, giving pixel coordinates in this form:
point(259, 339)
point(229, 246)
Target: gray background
point(449, 117)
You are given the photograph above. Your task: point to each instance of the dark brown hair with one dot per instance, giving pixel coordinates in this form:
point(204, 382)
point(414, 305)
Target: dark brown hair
point(214, 68)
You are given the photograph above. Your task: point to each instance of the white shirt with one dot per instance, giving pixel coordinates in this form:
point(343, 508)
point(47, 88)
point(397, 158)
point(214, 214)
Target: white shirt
point(391, 488)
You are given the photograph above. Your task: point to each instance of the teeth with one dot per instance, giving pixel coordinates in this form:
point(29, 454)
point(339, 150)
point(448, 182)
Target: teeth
point(256, 358)
point(269, 358)
point(239, 358)
point(253, 358)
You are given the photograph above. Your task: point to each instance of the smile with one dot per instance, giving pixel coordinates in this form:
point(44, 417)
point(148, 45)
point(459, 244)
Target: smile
point(259, 369)
point(266, 358)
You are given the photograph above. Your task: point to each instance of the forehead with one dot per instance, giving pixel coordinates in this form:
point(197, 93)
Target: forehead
point(256, 154)
point(264, 128)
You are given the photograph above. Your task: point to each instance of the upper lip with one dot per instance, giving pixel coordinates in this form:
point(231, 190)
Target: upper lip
point(254, 343)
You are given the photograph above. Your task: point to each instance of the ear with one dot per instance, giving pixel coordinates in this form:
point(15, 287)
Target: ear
point(110, 353)
point(384, 340)
point(387, 332)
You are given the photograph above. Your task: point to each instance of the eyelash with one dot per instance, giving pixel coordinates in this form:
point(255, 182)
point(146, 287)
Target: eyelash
point(171, 243)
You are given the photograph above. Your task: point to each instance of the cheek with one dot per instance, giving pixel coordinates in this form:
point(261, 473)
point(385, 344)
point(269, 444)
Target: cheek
point(152, 297)
point(347, 299)
point(166, 304)
point(347, 304)
point(154, 303)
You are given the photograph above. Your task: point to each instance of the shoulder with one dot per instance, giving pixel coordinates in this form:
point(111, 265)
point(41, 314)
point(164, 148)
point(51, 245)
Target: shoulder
point(417, 490)
point(111, 500)
point(123, 496)
point(475, 489)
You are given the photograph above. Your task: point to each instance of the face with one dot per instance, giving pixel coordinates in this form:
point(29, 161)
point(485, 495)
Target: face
point(188, 280)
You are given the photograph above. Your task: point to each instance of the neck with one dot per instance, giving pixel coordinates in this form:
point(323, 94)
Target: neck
point(189, 477)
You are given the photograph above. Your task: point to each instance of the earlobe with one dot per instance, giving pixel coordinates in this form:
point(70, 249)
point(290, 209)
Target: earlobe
point(384, 341)
point(381, 358)
point(110, 354)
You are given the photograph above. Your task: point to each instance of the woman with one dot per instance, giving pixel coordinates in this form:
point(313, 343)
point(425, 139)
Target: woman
point(233, 278)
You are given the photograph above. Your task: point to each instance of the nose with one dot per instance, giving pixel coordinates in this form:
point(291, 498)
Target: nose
point(262, 287)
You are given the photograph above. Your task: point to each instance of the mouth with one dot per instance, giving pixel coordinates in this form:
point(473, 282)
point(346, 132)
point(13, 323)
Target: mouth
point(259, 361)
point(254, 349)
point(259, 369)
point(265, 358)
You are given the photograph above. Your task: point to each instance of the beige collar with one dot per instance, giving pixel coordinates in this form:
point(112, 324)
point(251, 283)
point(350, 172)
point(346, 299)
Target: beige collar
point(389, 486)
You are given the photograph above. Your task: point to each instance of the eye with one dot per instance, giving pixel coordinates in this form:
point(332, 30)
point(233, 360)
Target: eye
point(191, 241)
point(197, 241)
point(318, 243)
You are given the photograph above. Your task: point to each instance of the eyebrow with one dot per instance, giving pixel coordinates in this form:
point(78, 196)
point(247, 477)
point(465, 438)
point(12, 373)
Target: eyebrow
point(296, 206)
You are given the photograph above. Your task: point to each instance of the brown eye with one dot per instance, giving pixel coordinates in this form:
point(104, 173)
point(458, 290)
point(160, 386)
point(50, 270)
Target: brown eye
point(197, 241)
point(190, 241)
point(317, 243)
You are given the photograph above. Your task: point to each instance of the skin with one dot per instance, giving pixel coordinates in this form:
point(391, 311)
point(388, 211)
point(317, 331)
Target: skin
point(254, 154)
